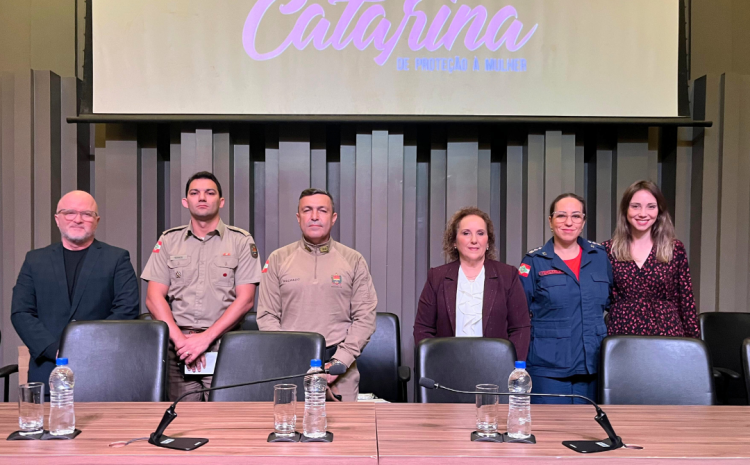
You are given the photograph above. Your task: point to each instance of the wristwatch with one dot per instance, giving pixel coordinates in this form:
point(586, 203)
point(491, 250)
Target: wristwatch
point(335, 361)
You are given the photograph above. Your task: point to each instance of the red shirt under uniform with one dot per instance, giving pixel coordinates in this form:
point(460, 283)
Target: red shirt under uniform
point(575, 263)
point(654, 300)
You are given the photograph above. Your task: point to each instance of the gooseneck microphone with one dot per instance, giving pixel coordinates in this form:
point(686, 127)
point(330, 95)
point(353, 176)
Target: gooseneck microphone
point(611, 443)
point(159, 439)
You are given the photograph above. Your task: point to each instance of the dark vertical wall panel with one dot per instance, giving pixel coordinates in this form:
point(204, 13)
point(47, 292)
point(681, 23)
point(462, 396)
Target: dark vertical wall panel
point(271, 169)
point(379, 224)
point(259, 199)
point(411, 284)
point(347, 191)
point(333, 176)
point(222, 161)
point(318, 167)
point(484, 176)
point(243, 195)
point(394, 246)
point(438, 198)
point(46, 165)
point(294, 177)
point(122, 189)
point(363, 194)
point(462, 175)
point(515, 243)
point(176, 184)
point(632, 160)
point(604, 191)
point(553, 173)
point(69, 157)
point(149, 204)
point(536, 214)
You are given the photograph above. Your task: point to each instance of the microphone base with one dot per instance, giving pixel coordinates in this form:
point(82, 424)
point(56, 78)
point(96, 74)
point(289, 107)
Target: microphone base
point(591, 447)
point(177, 443)
point(327, 438)
point(273, 437)
point(501, 437)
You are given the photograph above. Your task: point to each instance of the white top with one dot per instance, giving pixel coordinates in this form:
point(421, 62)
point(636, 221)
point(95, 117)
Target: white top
point(469, 298)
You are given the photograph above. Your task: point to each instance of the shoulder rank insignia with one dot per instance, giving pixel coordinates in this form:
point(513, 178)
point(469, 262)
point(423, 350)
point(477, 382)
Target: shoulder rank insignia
point(239, 230)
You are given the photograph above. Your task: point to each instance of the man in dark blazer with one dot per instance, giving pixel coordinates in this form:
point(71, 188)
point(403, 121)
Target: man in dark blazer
point(77, 279)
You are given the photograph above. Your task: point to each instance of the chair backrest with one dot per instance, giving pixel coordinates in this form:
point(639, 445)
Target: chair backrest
point(462, 363)
point(655, 370)
point(723, 333)
point(379, 361)
point(746, 363)
point(117, 361)
point(254, 355)
point(250, 322)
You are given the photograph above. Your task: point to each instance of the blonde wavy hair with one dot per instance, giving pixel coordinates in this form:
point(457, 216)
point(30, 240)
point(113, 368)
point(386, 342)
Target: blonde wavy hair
point(662, 231)
point(451, 231)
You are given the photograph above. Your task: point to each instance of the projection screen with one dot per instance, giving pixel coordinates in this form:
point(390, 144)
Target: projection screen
point(579, 58)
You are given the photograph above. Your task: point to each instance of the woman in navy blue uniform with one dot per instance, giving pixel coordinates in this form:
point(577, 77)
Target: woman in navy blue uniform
point(567, 283)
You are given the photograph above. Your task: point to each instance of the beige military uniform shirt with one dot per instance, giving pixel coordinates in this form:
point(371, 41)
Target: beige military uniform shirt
point(326, 289)
point(202, 273)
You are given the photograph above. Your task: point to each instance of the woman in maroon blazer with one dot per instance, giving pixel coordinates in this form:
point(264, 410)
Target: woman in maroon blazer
point(474, 295)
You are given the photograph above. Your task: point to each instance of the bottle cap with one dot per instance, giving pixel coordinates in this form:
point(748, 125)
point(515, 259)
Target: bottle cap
point(315, 363)
point(520, 365)
point(62, 361)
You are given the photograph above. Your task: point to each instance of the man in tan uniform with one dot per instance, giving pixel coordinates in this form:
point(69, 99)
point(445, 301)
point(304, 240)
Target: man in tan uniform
point(201, 282)
point(321, 286)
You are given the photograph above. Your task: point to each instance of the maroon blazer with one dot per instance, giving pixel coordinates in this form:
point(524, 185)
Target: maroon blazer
point(505, 313)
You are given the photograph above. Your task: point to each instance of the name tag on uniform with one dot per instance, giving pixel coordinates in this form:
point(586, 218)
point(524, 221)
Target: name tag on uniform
point(208, 369)
point(178, 257)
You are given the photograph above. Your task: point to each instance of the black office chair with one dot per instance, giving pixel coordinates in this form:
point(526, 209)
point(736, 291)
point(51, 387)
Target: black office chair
point(145, 316)
point(379, 364)
point(117, 361)
point(254, 355)
point(723, 333)
point(5, 373)
point(462, 363)
point(250, 322)
point(655, 370)
point(746, 363)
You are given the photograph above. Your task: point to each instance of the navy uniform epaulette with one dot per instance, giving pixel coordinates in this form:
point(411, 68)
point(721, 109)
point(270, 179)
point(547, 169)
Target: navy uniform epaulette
point(595, 245)
point(531, 252)
point(239, 230)
point(176, 228)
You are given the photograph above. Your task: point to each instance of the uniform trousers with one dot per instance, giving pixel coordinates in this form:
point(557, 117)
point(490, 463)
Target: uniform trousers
point(582, 385)
point(179, 382)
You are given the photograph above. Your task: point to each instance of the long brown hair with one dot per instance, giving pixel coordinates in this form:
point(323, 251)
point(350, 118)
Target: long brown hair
point(662, 231)
point(451, 231)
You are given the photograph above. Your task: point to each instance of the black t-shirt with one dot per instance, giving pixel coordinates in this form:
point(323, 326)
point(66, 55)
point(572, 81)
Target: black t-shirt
point(73, 261)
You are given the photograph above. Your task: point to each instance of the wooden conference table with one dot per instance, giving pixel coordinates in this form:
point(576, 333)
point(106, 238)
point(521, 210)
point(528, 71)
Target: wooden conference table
point(386, 434)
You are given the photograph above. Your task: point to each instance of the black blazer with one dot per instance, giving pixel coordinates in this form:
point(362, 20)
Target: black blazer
point(107, 288)
point(505, 313)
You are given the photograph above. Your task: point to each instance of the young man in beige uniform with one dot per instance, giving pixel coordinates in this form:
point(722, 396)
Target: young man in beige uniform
point(201, 282)
point(321, 286)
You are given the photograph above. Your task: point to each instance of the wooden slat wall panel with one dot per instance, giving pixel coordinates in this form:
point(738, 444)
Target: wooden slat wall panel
point(394, 187)
point(47, 139)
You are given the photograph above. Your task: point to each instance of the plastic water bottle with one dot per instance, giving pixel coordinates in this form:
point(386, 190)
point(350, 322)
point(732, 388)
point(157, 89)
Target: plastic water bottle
point(519, 408)
point(315, 423)
point(62, 417)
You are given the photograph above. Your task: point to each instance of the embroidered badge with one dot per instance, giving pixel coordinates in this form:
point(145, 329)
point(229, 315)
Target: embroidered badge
point(549, 272)
point(178, 274)
point(265, 268)
point(336, 279)
point(157, 247)
point(524, 270)
point(253, 251)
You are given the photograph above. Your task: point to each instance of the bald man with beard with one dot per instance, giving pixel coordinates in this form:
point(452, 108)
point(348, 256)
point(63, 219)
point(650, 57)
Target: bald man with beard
point(78, 278)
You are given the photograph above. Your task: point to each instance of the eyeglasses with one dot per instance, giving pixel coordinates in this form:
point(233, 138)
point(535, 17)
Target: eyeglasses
point(576, 217)
point(86, 215)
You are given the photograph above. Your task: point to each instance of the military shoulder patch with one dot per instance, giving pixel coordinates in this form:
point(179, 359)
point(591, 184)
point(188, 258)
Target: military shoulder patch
point(157, 247)
point(253, 251)
point(265, 268)
point(524, 270)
